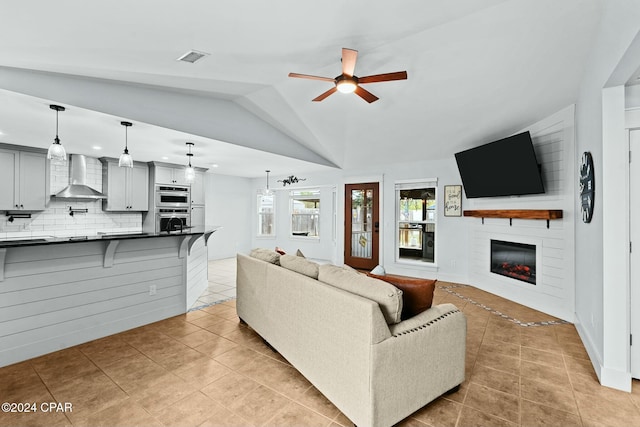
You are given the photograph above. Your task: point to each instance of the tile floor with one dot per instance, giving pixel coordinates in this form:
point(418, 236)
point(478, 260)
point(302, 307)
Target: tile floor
point(222, 283)
point(205, 369)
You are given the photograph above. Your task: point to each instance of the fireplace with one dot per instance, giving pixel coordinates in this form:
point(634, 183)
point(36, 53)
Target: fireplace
point(514, 260)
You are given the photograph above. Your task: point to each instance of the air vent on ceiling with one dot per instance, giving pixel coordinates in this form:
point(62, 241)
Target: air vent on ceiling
point(192, 56)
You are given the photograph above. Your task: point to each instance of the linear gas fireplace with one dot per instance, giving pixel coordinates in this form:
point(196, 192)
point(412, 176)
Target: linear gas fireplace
point(514, 260)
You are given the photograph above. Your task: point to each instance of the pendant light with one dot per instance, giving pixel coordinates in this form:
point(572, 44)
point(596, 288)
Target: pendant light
point(189, 172)
point(267, 191)
point(56, 150)
point(126, 161)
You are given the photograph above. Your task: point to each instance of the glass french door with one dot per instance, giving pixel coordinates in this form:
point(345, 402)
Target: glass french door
point(362, 225)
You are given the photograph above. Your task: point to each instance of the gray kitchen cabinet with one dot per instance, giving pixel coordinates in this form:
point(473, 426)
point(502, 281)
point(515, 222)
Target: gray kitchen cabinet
point(197, 215)
point(170, 175)
point(197, 189)
point(24, 180)
point(127, 189)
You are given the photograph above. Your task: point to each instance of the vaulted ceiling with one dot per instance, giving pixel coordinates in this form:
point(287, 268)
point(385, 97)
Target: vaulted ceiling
point(478, 70)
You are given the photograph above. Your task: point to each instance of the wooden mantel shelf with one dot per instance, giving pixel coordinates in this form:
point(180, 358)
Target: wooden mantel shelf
point(546, 214)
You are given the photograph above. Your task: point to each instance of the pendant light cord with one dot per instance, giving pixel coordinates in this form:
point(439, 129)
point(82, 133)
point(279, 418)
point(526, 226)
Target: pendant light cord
point(57, 140)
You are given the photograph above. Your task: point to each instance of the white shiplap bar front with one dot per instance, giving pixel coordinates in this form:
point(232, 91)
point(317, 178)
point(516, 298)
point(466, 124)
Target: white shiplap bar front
point(60, 295)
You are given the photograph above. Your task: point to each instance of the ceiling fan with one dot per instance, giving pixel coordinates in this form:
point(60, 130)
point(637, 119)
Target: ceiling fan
point(347, 82)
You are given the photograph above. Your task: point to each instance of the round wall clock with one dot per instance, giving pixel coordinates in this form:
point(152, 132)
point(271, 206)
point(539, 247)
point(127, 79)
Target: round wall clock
point(587, 186)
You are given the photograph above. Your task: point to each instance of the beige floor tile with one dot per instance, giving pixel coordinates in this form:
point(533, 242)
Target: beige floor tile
point(216, 346)
point(197, 338)
point(191, 410)
point(553, 375)
point(493, 402)
point(295, 415)
point(316, 401)
point(125, 414)
point(107, 350)
point(548, 394)
point(62, 365)
point(201, 372)
point(535, 414)
point(497, 380)
point(609, 411)
point(440, 412)
point(87, 394)
point(230, 388)
point(470, 417)
point(499, 362)
point(542, 357)
point(134, 371)
point(154, 396)
point(259, 405)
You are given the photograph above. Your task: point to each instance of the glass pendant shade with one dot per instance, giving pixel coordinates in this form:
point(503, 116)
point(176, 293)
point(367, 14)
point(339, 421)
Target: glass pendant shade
point(189, 171)
point(125, 161)
point(56, 151)
point(190, 174)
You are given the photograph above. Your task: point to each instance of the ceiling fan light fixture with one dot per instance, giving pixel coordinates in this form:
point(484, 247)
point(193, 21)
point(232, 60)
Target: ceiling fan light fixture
point(346, 86)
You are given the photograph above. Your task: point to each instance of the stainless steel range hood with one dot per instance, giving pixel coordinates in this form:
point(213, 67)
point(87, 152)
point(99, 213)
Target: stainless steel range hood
point(78, 188)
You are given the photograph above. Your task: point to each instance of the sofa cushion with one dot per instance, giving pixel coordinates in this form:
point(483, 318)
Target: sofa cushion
point(417, 294)
point(388, 297)
point(299, 265)
point(266, 255)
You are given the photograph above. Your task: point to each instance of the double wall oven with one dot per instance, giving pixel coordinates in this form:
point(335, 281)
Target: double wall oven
point(173, 207)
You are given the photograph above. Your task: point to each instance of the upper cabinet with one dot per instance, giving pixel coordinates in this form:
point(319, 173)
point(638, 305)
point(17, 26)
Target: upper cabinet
point(170, 175)
point(127, 189)
point(24, 180)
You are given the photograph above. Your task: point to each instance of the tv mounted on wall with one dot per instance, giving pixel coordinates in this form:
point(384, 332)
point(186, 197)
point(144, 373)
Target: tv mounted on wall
point(507, 167)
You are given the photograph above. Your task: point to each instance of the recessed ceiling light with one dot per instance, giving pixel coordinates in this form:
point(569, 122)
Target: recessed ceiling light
point(1, 133)
point(164, 158)
point(192, 56)
point(96, 147)
point(214, 165)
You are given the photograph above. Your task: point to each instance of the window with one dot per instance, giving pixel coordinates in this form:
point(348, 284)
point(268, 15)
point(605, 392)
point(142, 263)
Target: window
point(266, 215)
point(416, 221)
point(305, 213)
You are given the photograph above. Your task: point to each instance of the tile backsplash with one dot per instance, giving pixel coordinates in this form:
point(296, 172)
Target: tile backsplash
point(55, 219)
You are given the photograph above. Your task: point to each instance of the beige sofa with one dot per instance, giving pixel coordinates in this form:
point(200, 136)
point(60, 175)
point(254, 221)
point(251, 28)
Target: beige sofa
point(375, 372)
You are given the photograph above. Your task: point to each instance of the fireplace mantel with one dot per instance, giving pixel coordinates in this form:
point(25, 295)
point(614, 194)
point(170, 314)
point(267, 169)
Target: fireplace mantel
point(545, 214)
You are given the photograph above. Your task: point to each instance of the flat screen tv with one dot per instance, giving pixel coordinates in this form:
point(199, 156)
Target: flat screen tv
point(507, 167)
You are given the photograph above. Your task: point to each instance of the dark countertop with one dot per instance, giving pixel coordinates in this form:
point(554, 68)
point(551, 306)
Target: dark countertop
point(37, 241)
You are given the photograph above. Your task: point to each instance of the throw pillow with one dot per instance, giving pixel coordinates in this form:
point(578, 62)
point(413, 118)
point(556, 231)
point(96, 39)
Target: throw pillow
point(378, 270)
point(280, 251)
point(300, 254)
point(266, 255)
point(417, 294)
point(299, 265)
point(388, 297)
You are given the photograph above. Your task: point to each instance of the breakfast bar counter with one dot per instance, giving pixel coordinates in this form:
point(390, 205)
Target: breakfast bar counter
point(59, 292)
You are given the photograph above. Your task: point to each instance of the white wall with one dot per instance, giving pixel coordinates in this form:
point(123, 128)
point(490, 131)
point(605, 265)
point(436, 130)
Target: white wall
point(228, 205)
point(553, 141)
point(600, 303)
point(451, 235)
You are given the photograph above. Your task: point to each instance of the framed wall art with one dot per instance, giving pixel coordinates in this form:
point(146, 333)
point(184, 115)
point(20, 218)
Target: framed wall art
point(453, 200)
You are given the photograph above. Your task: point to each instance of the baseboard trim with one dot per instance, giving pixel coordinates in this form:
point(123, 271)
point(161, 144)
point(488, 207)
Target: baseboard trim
point(612, 378)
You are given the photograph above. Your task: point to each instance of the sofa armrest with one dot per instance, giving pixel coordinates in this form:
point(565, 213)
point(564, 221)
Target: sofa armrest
point(423, 319)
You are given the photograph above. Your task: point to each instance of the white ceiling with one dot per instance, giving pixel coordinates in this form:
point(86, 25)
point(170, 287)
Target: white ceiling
point(478, 70)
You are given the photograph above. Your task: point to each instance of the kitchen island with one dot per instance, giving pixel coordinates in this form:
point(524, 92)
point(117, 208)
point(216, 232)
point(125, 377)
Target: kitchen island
point(59, 292)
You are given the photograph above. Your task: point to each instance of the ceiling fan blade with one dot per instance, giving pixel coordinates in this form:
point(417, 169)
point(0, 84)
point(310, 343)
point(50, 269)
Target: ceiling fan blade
point(398, 75)
point(349, 57)
point(365, 94)
point(307, 76)
point(325, 94)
